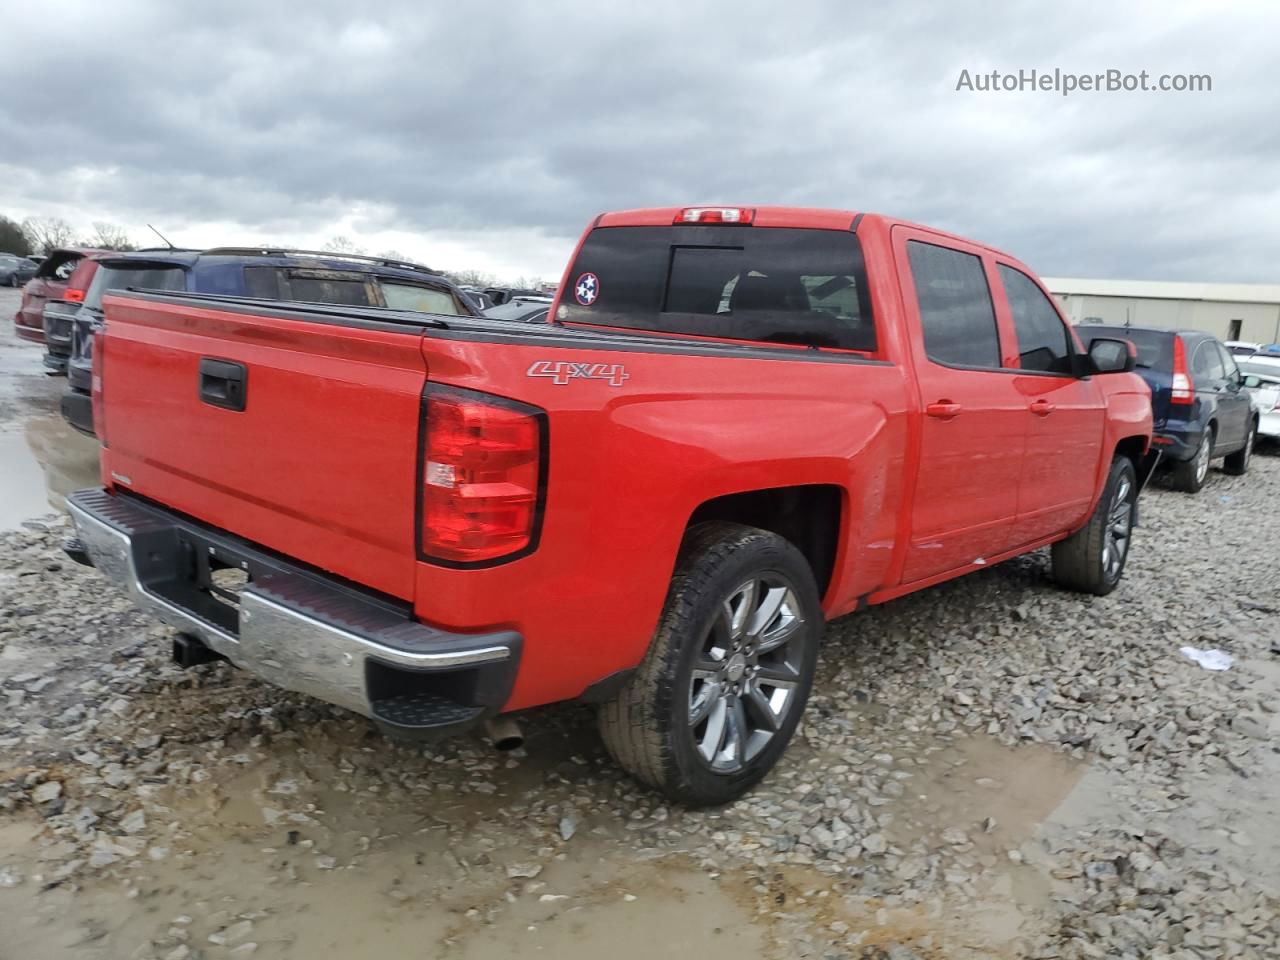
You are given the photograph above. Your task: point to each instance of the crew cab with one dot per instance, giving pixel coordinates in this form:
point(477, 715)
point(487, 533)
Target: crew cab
point(737, 424)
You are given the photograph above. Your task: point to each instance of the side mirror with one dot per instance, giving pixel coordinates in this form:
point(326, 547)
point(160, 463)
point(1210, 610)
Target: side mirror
point(1111, 356)
point(1250, 382)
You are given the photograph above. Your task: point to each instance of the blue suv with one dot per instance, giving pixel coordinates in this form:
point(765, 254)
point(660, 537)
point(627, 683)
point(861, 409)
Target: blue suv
point(270, 274)
point(1199, 406)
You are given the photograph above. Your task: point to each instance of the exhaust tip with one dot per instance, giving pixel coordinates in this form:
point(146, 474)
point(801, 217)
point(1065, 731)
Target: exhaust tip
point(504, 733)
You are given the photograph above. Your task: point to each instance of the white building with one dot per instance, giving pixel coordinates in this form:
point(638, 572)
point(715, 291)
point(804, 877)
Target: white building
point(1230, 311)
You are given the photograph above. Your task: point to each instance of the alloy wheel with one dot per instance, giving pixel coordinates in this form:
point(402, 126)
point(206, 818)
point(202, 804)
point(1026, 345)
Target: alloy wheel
point(1115, 543)
point(1202, 458)
point(746, 676)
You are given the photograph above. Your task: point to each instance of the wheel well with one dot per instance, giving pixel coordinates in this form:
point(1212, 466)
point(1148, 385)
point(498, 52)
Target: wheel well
point(808, 516)
point(1132, 447)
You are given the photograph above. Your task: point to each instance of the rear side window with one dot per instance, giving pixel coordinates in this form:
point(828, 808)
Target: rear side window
point(955, 306)
point(316, 286)
point(412, 296)
point(140, 277)
point(310, 286)
point(263, 283)
point(765, 284)
point(1207, 363)
point(1043, 342)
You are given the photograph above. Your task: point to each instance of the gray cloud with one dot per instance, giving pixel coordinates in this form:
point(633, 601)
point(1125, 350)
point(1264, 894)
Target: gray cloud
point(512, 121)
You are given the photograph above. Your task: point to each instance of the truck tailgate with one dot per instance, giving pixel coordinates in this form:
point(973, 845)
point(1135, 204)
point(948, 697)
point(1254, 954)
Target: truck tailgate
point(320, 463)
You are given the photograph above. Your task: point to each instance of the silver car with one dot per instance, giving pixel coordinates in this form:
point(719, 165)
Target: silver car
point(1262, 379)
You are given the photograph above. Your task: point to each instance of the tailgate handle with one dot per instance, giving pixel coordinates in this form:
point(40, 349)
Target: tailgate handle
point(223, 383)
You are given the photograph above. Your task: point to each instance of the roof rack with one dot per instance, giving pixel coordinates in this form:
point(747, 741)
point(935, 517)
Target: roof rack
point(326, 254)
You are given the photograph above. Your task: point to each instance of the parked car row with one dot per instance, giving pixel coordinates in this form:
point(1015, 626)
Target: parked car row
point(16, 270)
point(67, 295)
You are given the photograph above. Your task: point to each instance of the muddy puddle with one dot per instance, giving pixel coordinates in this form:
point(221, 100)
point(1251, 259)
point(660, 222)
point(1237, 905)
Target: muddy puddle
point(40, 463)
point(303, 852)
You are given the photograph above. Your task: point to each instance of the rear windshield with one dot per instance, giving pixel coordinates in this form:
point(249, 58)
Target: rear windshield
point(59, 266)
point(1155, 347)
point(767, 284)
point(141, 276)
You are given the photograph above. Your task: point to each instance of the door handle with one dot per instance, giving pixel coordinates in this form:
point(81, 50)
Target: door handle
point(943, 410)
point(1042, 408)
point(223, 383)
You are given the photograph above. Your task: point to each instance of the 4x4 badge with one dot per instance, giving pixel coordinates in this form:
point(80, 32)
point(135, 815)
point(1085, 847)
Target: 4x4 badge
point(562, 371)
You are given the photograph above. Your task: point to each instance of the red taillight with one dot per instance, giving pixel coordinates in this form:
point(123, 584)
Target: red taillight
point(481, 476)
point(1184, 391)
point(714, 215)
point(73, 296)
point(99, 359)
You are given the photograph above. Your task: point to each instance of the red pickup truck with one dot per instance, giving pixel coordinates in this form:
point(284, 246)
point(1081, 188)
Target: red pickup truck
point(738, 423)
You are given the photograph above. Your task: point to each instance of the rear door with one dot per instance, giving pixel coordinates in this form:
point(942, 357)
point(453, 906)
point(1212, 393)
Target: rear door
point(1209, 373)
point(973, 420)
point(1233, 399)
point(1064, 413)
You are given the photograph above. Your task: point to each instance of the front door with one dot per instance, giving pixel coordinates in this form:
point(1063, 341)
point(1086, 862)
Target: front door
point(1065, 414)
point(973, 417)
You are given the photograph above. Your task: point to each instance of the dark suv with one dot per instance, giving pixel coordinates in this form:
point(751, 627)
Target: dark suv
point(270, 274)
point(1200, 408)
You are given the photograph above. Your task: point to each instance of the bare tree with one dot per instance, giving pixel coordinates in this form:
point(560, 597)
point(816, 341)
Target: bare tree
point(473, 278)
point(46, 234)
point(394, 254)
point(342, 244)
point(108, 236)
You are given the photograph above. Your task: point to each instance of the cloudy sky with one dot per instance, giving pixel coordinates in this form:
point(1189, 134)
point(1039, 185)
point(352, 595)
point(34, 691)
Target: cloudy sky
point(485, 135)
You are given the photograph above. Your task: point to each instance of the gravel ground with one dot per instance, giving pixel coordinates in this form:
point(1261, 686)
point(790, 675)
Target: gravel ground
point(992, 767)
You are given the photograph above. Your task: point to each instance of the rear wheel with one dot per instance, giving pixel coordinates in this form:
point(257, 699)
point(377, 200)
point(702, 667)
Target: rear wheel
point(1190, 475)
point(1238, 463)
point(1092, 559)
point(721, 691)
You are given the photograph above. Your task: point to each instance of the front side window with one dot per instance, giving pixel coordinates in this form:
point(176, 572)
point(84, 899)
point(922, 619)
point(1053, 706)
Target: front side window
point(765, 284)
point(956, 312)
point(1229, 368)
point(412, 296)
point(1043, 342)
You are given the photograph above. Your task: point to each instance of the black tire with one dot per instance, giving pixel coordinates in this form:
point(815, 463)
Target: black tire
point(651, 729)
point(1237, 464)
point(1086, 561)
point(1190, 475)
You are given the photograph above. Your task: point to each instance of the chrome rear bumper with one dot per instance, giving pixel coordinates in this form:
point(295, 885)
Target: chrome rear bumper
point(295, 628)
